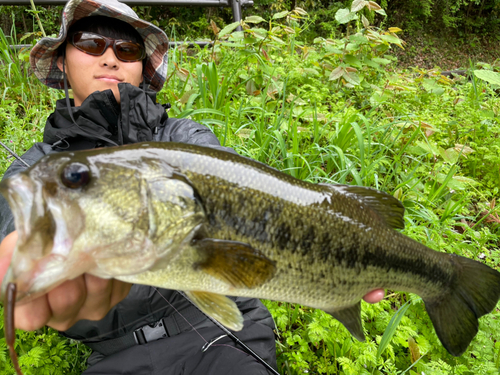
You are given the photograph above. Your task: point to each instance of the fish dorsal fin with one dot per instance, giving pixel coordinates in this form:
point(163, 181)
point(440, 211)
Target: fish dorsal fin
point(388, 208)
point(219, 307)
point(350, 317)
point(235, 263)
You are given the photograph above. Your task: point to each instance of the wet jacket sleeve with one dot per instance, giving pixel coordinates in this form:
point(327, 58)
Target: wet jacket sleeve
point(188, 131)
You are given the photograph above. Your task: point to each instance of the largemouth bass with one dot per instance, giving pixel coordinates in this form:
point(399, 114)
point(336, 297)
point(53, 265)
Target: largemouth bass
point(213, 224)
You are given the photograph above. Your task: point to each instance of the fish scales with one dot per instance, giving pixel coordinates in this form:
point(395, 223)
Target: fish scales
point(290, 220)
point(213, 223)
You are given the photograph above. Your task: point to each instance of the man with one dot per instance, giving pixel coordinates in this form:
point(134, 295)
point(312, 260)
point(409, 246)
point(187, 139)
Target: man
point(114, 63)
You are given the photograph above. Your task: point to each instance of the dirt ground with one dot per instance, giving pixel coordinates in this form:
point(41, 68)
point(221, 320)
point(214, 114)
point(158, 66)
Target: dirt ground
point(427, 51)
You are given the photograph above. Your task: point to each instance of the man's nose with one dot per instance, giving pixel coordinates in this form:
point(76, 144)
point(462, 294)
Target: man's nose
point(109, 58)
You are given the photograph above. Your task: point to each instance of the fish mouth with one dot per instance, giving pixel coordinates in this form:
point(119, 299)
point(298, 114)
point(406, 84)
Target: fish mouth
point(19, 193)
point(44, 237)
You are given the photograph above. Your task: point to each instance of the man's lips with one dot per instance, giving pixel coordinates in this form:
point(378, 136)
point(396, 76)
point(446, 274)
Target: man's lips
point(109, 78)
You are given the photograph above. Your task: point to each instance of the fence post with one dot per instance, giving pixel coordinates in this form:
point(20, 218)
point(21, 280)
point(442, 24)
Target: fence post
point(236, 5)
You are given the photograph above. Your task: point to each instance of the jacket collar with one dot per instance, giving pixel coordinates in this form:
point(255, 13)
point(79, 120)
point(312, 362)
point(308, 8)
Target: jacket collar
point(133, 120)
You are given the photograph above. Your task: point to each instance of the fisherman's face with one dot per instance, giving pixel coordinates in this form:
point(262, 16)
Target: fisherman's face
point(87, 73)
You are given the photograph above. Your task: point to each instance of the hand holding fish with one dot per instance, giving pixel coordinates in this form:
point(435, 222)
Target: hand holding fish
point(85, 297)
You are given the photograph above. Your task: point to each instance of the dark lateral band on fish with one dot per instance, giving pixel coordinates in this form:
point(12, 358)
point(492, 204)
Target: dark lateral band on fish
point(212, 223)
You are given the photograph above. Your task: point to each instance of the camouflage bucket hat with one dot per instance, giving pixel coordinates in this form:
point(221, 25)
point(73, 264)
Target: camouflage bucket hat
point(43, 56)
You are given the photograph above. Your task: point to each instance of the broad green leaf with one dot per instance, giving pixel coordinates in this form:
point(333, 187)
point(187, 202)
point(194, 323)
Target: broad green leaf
point(466, 180)
point(280, 15)
point(336, 73)
point(352, 47)
point(372, 5)
point(343, 16)
point(334, 51)
point(381, 60)
point(431, 86)
point(358, 38)
point(465, 150)
point(357, 5)
point(371, 63)
point(488, 76)
point(373, 35)
point(236, 36)
point(378, 98)
point(228, 29)
point(254, 19)
point(260, 32)
point(381, 11)
point(276, 39)
point(251, 87)
point(352, 77)
point(391, 39)
point(450, 182)
point(428, 147)
point(352, 60)
point(250, 40)
point(450, 155)
point(365, 21)
point(300, 11)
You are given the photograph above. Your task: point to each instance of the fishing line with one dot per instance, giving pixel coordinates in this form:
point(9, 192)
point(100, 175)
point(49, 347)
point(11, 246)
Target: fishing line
point(14, 154)
point(177, 311)
point(208, 344)
point(234, 337)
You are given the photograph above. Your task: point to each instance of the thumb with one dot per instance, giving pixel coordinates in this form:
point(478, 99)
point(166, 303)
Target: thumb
point(6, 249)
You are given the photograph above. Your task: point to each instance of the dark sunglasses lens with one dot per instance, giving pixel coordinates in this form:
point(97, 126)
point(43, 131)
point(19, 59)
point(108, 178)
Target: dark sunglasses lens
point(128, 51)
point(92, 44)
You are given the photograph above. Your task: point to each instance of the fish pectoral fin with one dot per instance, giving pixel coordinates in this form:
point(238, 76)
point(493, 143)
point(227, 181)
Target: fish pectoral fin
point(350, 317)
point(219, 307)
point(235, 263)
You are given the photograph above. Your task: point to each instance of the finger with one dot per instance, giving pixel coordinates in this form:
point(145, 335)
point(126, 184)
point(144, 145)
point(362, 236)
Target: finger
point(375, 296)
point(6, 249)
point(98, 301)
point(32, 315)
point(102, 295)
point(89, 298)
point(65, 301)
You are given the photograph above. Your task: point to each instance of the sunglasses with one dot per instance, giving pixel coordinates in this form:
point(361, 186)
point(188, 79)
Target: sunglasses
point(95, 45)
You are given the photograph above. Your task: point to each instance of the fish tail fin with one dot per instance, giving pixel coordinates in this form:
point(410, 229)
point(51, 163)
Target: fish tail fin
point(455, 314)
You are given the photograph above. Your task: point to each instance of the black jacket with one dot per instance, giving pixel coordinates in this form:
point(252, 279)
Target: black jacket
point(101, 121)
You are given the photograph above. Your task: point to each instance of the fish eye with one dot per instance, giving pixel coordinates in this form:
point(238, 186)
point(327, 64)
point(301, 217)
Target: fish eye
point(75, 175)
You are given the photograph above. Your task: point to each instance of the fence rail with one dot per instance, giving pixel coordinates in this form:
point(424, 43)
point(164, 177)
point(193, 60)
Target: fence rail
point(179, 3)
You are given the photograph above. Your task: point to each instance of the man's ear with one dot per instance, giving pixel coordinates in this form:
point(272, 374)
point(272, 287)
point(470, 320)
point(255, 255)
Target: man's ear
point(60, 63)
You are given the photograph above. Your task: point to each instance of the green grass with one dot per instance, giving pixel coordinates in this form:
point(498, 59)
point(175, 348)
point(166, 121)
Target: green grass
point(431, 142)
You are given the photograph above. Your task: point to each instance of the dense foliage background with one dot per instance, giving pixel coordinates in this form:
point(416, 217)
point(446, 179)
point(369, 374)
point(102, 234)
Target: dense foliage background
point(321, 96)
point(443, 33)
